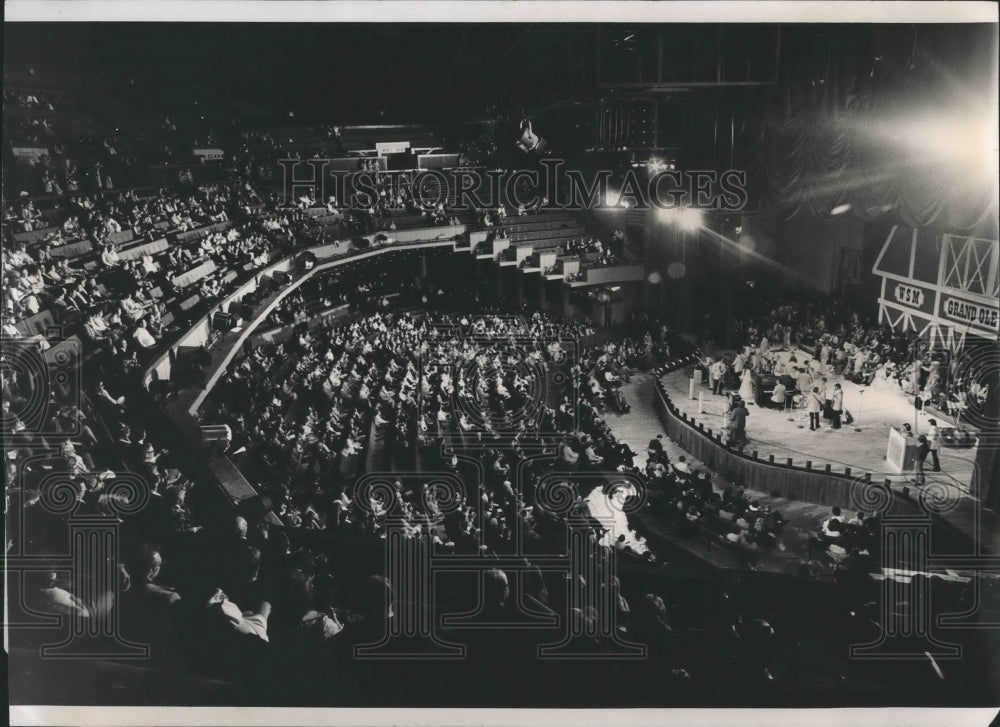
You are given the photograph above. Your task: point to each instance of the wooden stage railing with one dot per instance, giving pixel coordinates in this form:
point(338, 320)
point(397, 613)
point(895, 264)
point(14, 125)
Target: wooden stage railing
point(824, 487)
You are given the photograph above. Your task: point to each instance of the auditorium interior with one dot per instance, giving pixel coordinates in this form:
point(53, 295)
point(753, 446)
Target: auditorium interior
point(399, 320)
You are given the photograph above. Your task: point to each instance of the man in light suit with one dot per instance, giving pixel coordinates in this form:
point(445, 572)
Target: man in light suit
point(837, 405)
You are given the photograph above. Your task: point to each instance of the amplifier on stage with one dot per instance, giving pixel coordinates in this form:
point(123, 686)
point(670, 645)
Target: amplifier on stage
point(223, 321)
point(211, 433)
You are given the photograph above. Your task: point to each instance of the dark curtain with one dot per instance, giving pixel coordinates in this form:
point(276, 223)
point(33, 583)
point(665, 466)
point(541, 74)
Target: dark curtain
point(837, 131)
point(817, 163)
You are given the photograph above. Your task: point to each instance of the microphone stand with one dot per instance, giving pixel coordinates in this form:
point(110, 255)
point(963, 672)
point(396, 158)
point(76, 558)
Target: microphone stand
point(860, 392)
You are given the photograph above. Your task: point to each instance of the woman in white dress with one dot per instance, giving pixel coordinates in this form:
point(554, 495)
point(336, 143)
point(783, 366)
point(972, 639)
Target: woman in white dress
point(746, 387)
point(878, 380)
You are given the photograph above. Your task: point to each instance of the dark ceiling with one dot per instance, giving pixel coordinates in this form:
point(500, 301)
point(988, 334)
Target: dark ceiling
point(366, 73)
point(355, 73)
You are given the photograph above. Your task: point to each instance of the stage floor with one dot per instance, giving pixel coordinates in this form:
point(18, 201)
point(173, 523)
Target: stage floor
point(863, 451)
point(860, 445)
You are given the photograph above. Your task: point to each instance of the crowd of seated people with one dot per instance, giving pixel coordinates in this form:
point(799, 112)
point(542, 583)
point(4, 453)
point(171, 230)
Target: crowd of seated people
point(852, 541)
point(367, 285)
point(118, 303)
point(361, 380)
point(90, 440)
point(493, 217)
point(580, 246)
point(393, 197)
point(68, 156)
point(351, 375)
point(324, 389)
point(79, 270)
point(23, 216)
point(113, 302)
point(363, 371)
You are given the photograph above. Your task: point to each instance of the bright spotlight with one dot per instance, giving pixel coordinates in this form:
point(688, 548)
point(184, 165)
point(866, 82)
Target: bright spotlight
point(963, 142)
point(840, 209)
point(667, 214)
point(655, 166)
point(689, 219)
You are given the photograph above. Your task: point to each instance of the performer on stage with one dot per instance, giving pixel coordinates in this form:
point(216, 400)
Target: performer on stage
point(815, 403)
point(739, 363)
point(738, 423)
point(778, 397)
point(718, 374)
point(746, 386)
point(803, 381)
point(922, 450)
point(934, 441)
point(837, 405)
point(933, 380)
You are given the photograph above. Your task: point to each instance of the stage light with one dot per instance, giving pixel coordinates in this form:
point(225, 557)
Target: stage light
point(667, 214)
point(614, 199)
point(690, 219)
point(655, 166)
point(963, 143)
point(840, 209)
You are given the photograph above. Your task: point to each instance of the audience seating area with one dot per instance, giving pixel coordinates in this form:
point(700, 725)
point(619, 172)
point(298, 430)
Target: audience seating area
point(373, 368)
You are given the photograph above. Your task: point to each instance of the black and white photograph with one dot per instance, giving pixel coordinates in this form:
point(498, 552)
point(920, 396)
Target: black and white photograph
point(524, 356)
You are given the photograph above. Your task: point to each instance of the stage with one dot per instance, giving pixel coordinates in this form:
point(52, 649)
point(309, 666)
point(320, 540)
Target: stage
point(861, 445)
